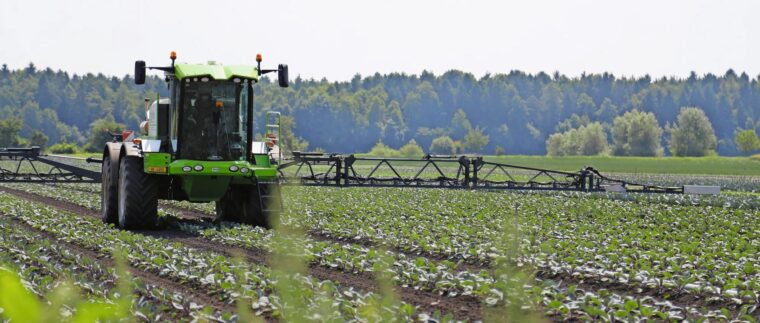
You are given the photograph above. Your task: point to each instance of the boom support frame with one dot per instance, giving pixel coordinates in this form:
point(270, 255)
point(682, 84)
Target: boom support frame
point(32, 158)
point(430, 171)
point(460, 172)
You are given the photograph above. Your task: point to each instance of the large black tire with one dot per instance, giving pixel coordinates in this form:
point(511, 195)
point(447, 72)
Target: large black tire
point(243, 204)
point(230, 206)
point(138, 195)
point(262, 210)
point(109, 191)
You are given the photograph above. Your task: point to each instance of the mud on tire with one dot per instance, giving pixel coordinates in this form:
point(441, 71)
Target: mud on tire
point(138, 195)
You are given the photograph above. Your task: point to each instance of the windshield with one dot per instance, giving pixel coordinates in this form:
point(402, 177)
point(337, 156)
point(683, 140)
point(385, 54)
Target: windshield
point(214, 115)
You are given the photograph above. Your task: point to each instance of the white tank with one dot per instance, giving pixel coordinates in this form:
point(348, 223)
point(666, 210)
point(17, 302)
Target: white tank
point(152, 120)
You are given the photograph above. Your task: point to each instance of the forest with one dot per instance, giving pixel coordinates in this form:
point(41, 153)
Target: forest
point(512, 112)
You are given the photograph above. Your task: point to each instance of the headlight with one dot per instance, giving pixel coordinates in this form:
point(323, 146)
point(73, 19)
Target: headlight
point(186, 168)
point(233, 168)
point(198, 168)
point(244, 170)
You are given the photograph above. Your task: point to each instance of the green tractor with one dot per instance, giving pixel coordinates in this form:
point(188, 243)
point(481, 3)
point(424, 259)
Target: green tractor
point(196, 145)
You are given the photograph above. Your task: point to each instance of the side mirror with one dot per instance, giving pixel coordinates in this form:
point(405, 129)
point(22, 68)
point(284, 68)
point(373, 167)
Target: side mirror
point(140, 72)
point(282, 75)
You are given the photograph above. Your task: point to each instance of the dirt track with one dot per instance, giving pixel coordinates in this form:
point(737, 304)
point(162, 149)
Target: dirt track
point(462, 307)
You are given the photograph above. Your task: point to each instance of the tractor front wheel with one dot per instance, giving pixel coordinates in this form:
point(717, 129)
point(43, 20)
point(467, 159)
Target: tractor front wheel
point(264, 205)
point(138, 195)
point(250, 204)
point(230, 206)
point(109, 191)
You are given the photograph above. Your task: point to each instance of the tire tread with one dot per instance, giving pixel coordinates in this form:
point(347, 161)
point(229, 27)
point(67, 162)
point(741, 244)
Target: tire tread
point(138, 192)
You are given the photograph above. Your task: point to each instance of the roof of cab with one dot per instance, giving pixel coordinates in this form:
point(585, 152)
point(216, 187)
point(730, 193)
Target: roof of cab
point(215, 71)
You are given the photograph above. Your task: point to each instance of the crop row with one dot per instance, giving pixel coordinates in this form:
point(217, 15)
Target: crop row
point(252, 283)
point(707, 249)
point(576, 260)
point(440, 276)
point(44, 265)
point(420, 272)
point(417, 273)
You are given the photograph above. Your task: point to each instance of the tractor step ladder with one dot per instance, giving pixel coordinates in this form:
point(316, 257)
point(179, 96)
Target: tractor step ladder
point(272, 134)
point(270, 197)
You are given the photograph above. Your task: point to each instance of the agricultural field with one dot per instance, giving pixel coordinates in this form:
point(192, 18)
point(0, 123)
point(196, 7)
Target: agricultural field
point(362, 162)
point(343, 254)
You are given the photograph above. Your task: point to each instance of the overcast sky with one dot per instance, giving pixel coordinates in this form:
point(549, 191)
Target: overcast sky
point(337, 39)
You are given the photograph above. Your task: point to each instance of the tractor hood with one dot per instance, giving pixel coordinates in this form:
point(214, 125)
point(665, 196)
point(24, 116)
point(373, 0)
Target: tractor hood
point(216, 72)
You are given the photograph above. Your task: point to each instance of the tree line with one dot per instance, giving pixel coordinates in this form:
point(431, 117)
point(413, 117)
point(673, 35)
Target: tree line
point(514, 112)
point(637, 133)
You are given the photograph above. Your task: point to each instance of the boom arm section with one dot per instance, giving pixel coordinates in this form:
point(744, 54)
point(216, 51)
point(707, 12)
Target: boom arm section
point(460, 172)
point(28, 165)
point(320, 169)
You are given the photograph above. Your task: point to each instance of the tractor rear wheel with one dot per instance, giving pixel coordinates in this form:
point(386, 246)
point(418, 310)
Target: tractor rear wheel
point(138, 195)
point(109, 191)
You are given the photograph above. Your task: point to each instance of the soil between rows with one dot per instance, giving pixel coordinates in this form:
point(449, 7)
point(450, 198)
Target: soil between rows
point(461, 307)
point(195, 215)
point(677, 298)
point(146, 276)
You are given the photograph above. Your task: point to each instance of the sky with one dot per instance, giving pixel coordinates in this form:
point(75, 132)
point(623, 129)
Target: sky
point(337, 39)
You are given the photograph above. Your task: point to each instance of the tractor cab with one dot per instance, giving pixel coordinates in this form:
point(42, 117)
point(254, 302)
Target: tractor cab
point(212, 119)
point(208, 116)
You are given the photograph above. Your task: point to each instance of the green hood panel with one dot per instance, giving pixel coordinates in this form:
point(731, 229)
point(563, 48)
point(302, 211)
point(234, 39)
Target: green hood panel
point(217, 72)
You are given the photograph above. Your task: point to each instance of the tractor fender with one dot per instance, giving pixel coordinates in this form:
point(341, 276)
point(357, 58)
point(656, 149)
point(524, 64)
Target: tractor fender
point(112, 151)
point(130, 149)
